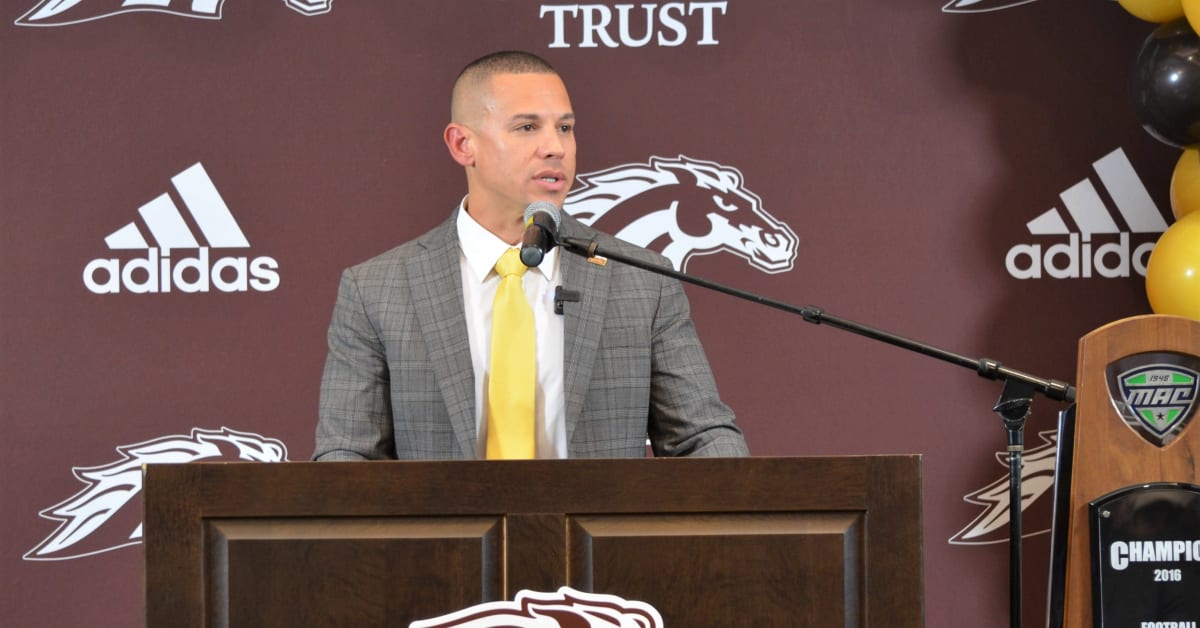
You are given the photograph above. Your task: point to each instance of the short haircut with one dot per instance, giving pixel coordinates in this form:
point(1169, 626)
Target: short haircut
point(484, 68)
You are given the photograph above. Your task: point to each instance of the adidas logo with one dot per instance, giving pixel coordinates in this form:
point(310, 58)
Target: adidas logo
point(1079, 256)
point(158, 272)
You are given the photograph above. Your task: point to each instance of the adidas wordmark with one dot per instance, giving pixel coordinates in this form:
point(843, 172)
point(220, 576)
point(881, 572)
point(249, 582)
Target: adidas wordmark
point(1080, 256)
point(196, 270)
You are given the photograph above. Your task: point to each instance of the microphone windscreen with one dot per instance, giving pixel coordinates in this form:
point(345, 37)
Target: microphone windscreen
point(545, 207)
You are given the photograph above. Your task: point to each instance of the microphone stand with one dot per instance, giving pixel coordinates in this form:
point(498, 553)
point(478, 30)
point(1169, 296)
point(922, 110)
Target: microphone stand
point(1013, 407)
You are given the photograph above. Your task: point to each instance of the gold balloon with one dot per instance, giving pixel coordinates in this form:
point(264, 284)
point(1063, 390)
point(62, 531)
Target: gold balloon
point(1157, 11)
point(1191, 9)
point(1185, 183)
point(1173, 272)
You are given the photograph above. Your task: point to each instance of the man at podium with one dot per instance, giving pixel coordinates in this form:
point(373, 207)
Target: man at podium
point(447, 347)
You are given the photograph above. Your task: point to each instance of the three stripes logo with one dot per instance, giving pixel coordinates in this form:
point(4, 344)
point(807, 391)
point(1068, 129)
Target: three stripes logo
point(64, 12)
point(157, 272)
point(1113, 254)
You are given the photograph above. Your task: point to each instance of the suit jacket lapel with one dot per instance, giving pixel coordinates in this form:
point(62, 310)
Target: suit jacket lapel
point(582, 324)
point(435, 280)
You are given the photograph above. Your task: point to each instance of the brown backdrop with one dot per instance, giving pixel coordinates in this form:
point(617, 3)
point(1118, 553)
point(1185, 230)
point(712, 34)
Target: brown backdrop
point(905, 147)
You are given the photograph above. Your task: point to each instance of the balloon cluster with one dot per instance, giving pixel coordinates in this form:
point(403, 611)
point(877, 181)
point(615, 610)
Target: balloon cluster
point(1166, 97)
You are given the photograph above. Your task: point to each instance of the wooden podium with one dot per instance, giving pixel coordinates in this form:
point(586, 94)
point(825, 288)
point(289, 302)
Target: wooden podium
point(832, 541)
point(1104, 447)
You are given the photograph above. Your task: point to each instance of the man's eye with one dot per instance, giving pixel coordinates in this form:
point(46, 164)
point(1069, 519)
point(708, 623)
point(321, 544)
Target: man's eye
point(566, 128)
point(526, 127)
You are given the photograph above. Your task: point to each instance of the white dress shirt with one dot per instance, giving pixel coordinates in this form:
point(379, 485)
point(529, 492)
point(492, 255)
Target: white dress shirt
point(479, 251)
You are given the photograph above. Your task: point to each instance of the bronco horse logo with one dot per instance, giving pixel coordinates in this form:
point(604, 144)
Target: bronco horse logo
point(64, 12)
point(683, 207)
point(981, 6)
point(100, 517)
point(565, 608)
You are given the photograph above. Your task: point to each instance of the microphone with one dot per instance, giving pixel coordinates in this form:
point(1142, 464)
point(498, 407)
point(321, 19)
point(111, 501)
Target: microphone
point(562, 295)
point(541, 232)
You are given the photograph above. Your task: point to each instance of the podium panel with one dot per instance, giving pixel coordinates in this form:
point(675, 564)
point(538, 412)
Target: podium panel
point(767, 551)
point(270, 571)
point(745, 541)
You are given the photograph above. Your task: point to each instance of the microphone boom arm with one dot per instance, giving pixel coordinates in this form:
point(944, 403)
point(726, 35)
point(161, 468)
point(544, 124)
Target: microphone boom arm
point(1013, 407)
point(984, 367)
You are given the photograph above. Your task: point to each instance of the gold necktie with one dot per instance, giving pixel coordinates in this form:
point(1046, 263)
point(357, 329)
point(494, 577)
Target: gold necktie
point(512, 379)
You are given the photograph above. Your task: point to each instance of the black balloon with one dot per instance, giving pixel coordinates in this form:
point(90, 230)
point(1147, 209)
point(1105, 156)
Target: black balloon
point(1166, 84)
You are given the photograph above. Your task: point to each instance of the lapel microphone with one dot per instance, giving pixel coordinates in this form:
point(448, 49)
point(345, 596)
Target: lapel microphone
point(562, 295)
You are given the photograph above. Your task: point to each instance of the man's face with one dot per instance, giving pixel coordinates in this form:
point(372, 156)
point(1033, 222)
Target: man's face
point(524, 144)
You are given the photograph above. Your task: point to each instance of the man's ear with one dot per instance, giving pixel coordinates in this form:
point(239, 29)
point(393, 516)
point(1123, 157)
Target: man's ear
point(458, 141)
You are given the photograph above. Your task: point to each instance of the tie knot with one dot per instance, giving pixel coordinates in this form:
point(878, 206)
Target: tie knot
point(510, 264)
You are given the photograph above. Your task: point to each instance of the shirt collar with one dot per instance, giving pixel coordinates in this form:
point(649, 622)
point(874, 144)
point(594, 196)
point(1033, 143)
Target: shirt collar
point(482, 249)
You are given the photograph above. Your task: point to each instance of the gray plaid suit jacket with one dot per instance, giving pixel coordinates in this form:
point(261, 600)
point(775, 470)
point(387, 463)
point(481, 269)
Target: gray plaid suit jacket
point(398, 381)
